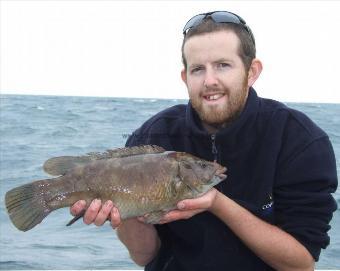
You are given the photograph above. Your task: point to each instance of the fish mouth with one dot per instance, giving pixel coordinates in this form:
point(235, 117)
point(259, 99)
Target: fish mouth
point(220, 173)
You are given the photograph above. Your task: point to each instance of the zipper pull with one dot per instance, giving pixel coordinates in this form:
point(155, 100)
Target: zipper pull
point(213, 147)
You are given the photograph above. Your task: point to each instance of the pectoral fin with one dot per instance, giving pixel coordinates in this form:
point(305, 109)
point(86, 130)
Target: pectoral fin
point(80, 215)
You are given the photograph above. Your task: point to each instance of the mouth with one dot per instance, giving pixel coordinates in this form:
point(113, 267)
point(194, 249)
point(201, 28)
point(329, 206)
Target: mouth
point(213, 97)
point(220, 173)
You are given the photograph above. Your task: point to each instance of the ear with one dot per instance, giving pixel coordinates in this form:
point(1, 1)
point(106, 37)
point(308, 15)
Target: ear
point(184, 76)
point(254, 71)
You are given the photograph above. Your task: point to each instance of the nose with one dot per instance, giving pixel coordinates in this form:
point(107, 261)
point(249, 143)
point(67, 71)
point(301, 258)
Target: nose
point(210, 79)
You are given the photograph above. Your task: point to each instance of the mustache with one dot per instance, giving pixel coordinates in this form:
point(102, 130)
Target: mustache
point(213, 92)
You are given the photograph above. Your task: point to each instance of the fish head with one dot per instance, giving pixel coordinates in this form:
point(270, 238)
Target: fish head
point(197, 174)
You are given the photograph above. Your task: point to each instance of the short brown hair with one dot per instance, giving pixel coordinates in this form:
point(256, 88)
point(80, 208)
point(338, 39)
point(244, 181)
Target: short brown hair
point(247, 49)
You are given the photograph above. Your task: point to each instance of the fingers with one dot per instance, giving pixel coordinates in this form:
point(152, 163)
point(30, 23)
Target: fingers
point(115, 218)
point(98, 213)
point(78, 207)
point(92, 212)
point(178, 214)
point(104, 213)
point(203, 202)
point(190, 207)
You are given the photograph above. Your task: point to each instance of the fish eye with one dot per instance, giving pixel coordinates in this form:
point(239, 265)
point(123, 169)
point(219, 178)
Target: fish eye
point(202, 164)
point(187, 166)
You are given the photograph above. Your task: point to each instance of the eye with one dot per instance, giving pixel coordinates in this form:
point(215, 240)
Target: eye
point(196, 69)
point(187, 166)
point(223, 65)
point(203, 165)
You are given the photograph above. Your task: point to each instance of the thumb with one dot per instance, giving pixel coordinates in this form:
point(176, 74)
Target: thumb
point(201, 202)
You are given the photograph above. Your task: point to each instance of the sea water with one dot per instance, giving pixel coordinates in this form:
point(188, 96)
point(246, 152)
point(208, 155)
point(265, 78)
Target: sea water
point(35, 128)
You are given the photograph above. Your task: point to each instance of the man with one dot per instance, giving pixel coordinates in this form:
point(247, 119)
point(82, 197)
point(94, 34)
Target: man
point(273, 211)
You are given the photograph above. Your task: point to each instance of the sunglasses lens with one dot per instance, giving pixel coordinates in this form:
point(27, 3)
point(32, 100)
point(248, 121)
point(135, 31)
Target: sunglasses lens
point(225, 17)
point(218, 17)
point(193, 22)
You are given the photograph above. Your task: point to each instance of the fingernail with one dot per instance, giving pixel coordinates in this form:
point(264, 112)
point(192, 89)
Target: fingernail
point(114, 212)
point(108, 204)
point(80, 203)
point(181, 205)
point(95, 203)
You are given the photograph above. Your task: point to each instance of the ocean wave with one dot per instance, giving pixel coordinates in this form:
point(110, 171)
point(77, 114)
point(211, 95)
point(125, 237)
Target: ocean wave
point(9, 130)
point(66, 131)
point(54, 247)
point(149, 100)
point(40, 108)
point(16, 265)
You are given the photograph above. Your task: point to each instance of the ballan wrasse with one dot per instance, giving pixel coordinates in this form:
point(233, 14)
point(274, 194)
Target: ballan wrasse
point(139, 180)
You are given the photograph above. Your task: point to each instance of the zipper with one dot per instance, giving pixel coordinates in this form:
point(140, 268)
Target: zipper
point(214, 151)
point(213, 146)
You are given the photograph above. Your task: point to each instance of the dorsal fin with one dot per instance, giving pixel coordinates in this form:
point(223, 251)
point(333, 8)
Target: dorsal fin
point(124, 152)
point(60, 165)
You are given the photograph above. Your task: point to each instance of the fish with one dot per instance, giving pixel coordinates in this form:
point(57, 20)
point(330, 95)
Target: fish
point(143, 180)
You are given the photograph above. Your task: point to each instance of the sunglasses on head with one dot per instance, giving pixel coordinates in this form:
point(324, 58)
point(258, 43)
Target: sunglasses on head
point(217, 17)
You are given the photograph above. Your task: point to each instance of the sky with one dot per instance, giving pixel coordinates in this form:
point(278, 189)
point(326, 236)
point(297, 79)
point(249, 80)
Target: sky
point(132, 48)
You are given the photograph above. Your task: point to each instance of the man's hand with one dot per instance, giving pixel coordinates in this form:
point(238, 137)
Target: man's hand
point(97, 212)
point(190, 207)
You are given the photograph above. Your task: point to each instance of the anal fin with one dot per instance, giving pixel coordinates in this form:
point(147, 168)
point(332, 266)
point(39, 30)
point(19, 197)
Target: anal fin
point(154, 217)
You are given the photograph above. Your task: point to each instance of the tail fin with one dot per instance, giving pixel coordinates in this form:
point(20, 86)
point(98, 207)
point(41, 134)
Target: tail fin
point(26, 206)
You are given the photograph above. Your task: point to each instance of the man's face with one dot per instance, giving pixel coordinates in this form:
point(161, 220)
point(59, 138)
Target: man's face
point(215, 76)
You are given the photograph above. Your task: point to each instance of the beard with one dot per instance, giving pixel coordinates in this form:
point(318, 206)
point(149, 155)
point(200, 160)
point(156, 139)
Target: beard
point(221, 115)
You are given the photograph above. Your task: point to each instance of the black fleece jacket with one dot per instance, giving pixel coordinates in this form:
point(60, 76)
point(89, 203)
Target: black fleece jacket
point(281, 167)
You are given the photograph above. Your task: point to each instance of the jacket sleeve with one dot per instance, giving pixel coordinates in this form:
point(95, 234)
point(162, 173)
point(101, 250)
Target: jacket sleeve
point(134, 140)
point(131, 141)
point(302, 196)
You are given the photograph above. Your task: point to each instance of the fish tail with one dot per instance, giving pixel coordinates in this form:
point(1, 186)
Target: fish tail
point(26, 206)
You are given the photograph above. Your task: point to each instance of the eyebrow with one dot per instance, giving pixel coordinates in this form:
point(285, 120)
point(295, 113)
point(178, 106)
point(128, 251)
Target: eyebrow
point(223, 60)
point(194, 65)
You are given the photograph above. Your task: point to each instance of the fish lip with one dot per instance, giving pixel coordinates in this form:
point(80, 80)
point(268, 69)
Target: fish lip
point(222, 176)
point(220, 172)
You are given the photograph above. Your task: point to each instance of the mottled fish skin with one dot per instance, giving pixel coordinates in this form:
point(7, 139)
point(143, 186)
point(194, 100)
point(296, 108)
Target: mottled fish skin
point(148, 181)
